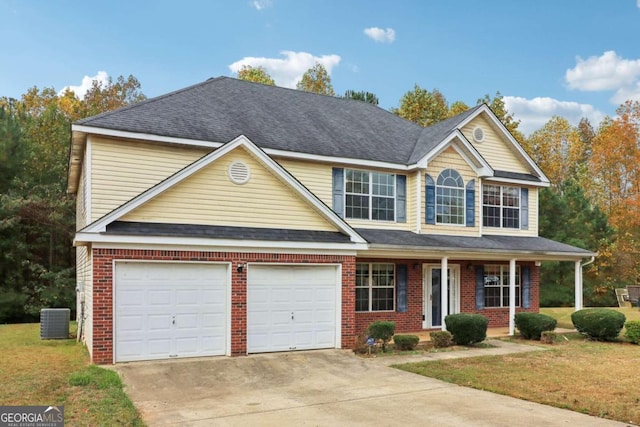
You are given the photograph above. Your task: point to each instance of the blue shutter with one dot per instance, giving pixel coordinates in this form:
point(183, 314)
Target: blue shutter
point(430, 200)
point(524, 208)
point(526, 287)
point(402, 277)
point(470, 195)
point(401, 198)
point(479, 287)
point(338, 191)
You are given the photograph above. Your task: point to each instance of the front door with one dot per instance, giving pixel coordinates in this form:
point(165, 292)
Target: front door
point(432, 279)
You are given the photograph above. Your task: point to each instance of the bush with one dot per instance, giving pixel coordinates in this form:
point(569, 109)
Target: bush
point(361, 346)
point(633, 331)
point(383, 331)
point(548, 337)
point(406, 342)
point(467, 328)
point(441, 339)
point(601, 324)
point(532, 325)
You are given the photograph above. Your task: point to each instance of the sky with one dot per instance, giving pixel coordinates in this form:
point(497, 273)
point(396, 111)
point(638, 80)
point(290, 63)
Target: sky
point(572, 58)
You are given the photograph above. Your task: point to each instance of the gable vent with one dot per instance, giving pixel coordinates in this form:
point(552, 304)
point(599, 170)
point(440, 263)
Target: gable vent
point(478, 134)
point(239, 173)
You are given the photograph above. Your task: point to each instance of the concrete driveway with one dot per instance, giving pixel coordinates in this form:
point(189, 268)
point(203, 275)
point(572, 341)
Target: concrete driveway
point(319, 388)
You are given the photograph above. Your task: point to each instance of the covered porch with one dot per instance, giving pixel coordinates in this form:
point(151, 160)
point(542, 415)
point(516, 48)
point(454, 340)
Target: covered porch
point(469, 270)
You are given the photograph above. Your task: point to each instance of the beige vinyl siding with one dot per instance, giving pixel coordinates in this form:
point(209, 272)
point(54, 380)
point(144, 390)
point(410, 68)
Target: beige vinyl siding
point(495, 148)
point(209, 197)
point(121, 169)
point(317, 177)
point(450, 159)
point(84, 282)
point(533, 218)
point(81, 198)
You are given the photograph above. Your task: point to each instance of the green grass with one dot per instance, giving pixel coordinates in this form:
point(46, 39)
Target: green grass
point(57, 372)
point(596, 378)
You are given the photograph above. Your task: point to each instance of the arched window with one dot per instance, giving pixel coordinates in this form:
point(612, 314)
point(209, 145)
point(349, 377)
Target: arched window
point(450, 198)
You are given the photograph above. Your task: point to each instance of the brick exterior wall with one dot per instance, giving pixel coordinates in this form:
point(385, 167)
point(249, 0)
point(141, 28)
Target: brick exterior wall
point(102, 352)
point(411, 320)
point(352, 323)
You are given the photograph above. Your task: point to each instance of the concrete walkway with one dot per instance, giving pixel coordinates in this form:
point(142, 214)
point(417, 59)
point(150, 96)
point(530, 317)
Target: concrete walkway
point(325, 388)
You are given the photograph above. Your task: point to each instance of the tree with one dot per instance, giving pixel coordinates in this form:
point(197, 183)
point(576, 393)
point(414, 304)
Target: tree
point(361, 96)
point(457, 108)
point(557, 148)
point(256, 75)
point(37, 219)
point(317, 80)
point(500, 110)
point(423, 107)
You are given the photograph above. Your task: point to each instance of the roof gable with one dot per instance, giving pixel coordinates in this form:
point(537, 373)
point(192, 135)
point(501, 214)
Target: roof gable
point(199, 175)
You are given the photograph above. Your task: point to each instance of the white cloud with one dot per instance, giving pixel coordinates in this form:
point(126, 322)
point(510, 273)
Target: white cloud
point(262, 4)
point(638, 3)
point(80, 90)
point(287, 71)
point(381, 35)
point(535, 113)
point(606, 72)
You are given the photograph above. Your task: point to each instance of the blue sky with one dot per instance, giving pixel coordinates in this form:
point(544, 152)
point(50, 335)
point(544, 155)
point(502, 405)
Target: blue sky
point(571, 58)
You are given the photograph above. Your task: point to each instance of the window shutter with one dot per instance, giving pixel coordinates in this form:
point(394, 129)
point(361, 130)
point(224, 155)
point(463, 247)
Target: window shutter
point(430, 200)
point(470, 195)
point(479, 287)
point(526, 287)
point(402, 277)
point(401, 198)
point(524, 208)
point(338, 191)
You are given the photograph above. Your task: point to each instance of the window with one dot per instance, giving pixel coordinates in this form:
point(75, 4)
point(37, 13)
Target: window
point(500, 206)
point(370, 195)
point(450, 198)
point(496, 286)
point(375, 287)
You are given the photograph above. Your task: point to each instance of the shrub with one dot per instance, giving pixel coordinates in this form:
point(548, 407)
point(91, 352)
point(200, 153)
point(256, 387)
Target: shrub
point(600, 324)
point(441, 339)
point(406, 342)
point(633, 331)
point(467, 328)
point(532, 325)
point(382, 330)
point(361, 346)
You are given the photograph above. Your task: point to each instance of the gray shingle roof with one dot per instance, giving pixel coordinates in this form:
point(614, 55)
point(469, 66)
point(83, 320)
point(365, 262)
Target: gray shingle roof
point(223, 108)
point(223, 232)
point(506, 244)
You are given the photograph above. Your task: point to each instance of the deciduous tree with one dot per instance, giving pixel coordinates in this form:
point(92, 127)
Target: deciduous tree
point(255, 74)
point(423, 107)
point(317, 80)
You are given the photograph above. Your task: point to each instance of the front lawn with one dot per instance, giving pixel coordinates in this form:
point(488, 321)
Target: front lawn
point(595, 378)
point(57, 372)
point(563, 314)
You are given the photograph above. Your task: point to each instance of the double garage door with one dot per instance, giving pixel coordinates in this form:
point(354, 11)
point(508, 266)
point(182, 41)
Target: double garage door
point(167, 310)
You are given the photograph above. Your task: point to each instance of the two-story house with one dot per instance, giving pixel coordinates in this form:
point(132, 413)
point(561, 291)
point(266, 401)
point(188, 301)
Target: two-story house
point(231, 217)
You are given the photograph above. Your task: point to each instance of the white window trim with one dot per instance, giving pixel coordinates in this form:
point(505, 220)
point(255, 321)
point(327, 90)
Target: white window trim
point(504, 269)
point(464, 200)
point(502, 206)
point(370, 287)
point(371, 195)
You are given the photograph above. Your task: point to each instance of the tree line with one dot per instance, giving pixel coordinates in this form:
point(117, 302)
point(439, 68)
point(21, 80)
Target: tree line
point(593, 202)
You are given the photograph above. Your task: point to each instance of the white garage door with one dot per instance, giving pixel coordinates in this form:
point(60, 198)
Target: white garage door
point(166, 310)
point(291, 307)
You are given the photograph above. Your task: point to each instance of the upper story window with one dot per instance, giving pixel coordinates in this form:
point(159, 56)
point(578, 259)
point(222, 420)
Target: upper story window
point(501, 206)
point(450, 198)
point(370, 195)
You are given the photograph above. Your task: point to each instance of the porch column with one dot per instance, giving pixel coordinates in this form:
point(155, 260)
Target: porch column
point(444, 291)
point(578, 286)
point(512, 297)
